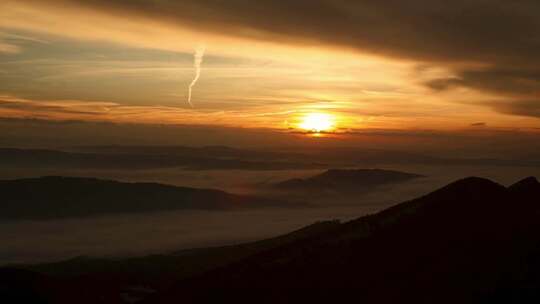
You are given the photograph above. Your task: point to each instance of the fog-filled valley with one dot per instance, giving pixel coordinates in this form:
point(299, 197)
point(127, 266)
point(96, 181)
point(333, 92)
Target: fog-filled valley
point(158, 231)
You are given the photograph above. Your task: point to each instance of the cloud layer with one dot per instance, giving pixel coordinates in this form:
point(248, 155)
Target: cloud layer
point(436, 30)
point(491, 46)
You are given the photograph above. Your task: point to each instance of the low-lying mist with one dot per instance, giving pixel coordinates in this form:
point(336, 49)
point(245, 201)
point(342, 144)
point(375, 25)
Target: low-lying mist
point(166, 232)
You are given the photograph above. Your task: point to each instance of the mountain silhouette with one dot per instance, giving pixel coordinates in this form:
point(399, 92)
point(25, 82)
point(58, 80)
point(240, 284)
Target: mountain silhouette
point(347, 179)
point(57, 197)
point(473, 241)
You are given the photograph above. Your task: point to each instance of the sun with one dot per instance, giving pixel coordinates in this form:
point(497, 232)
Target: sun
point(317, 122)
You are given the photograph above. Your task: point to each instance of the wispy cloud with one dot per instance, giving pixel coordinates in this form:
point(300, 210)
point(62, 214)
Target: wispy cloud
point(9, 48)
point(490, 49)
point(65, 110)
point(8, 45)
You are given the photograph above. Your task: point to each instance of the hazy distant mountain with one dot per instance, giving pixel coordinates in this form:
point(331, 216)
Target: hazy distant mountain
point(223, 152)
point(319, 157)
point(473, 241)
point(223, 158)
point(55, 197)
point(347, 179)
point(136, 158)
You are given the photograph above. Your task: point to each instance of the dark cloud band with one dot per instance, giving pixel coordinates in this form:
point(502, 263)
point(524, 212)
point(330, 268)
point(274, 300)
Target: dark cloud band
point(503, 36)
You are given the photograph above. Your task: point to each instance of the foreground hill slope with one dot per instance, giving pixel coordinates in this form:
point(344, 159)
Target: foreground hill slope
point(58, 197)
point(472, 241)
point(119, 280)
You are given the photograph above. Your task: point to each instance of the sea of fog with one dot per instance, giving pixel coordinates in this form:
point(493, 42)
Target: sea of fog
point(165, 232)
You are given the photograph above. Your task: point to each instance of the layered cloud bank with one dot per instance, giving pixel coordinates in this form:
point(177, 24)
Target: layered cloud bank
point(489, 47)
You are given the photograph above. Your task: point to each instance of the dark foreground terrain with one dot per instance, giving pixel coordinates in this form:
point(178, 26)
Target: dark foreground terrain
point(473, 241)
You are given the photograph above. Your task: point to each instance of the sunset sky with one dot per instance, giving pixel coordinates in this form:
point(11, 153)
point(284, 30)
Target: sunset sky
point(444, 66)
point(310, 110)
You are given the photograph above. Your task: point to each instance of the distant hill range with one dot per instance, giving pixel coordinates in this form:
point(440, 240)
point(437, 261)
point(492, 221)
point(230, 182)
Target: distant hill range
point(347, 180)
point(140, 158)
point(223, 158)
point(473, 241)
point(58, 197)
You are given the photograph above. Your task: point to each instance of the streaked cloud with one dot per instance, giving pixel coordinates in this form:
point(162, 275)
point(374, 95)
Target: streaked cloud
point(9, 48)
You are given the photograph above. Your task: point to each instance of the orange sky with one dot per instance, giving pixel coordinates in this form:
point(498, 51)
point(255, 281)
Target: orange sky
point(100, 61)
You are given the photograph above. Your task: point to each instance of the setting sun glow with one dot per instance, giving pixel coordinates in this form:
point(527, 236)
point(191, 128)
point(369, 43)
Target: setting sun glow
point(317, 122)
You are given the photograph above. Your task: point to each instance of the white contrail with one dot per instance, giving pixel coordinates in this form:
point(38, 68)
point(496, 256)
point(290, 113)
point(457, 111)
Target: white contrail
point(197, 60)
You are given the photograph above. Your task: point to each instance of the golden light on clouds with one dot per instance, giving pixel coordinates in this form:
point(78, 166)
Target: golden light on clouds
point(318, 122)
point(135, 66)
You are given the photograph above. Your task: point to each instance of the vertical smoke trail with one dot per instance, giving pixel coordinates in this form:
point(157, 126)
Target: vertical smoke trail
point(197, 60)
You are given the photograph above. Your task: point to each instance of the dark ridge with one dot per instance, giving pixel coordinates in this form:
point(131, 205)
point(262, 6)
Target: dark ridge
point(526, 183)
point(347, 179)
point(473, 194)
point(526, 190)
point(462, 243)
point(58, 197)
